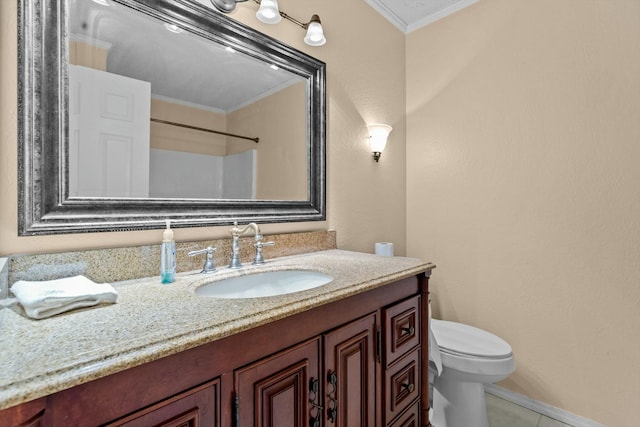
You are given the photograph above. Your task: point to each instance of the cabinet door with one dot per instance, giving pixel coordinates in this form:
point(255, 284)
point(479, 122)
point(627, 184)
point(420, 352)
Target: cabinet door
point(281, 390)
point(350, 379)
point(194, 408)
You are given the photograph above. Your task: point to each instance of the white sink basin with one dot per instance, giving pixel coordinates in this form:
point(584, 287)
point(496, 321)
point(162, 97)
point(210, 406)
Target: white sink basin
point(267, 284)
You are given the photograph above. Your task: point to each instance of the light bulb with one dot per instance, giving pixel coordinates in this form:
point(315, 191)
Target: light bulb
point(315, 33)
point(269, 12)
point(378, 134)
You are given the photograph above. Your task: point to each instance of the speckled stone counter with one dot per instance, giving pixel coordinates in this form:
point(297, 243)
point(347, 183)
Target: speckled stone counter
point(151, 320)
point(117, 264)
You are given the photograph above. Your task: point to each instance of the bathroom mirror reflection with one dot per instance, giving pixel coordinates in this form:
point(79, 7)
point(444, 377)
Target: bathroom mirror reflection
point(133, 111)
point(157, 111)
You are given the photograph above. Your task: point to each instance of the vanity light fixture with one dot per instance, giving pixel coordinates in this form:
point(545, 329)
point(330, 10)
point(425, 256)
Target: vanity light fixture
point(269, 13)
point(378, 134)
point(102, 2)
point(315, 33)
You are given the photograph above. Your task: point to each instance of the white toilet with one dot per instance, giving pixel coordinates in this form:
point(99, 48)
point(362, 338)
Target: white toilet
point(471, 357)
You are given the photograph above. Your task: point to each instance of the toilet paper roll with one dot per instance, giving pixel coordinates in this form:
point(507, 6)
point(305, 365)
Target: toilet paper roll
point(384, 248)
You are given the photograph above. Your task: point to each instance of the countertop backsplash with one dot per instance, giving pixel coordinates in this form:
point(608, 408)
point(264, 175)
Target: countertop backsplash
point(118, 264)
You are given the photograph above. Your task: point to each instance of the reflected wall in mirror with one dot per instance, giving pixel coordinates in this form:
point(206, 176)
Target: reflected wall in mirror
point(133, 111)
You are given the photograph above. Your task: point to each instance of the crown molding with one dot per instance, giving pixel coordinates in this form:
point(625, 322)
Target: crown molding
point(407, 27)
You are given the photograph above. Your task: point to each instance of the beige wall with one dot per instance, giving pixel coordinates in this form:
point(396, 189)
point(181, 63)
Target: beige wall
point(522, 185)
point(523, 169)
point(366, 201)
point(281, 162)
point(84, 54)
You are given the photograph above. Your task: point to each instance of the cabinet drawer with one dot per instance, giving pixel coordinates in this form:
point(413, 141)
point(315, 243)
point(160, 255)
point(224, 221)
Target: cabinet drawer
point(402, 328)
point(402, 384)
point(411, 418)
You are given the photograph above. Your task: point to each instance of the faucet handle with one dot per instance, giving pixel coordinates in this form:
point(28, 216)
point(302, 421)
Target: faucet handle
point(209, 264)
point(259, 244)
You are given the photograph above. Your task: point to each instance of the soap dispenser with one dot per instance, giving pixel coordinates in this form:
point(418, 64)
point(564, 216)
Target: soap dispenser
point(168, 256)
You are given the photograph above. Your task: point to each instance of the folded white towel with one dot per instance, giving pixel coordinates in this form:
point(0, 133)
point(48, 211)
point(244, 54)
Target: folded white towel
point(51, 297)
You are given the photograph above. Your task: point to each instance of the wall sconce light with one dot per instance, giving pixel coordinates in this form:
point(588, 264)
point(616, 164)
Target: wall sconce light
point(269, 13)
point(378, 134)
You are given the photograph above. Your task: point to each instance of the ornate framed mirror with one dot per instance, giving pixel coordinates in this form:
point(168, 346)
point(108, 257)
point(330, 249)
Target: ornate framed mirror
point(136, 111)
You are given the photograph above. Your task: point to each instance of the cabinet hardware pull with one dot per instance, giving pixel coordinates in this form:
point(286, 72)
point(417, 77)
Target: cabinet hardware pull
point(332, 395)
point(314, 420)
point(235, 411)
point(410, 330)
point(378, 344)
point(409, 387)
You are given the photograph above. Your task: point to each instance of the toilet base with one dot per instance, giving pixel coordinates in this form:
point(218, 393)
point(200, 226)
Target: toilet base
point(458, 403)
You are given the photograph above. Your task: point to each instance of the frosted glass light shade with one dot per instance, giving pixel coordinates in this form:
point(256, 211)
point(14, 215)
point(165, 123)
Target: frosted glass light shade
point(315, 33)
point(268, 12)
point(378, 137)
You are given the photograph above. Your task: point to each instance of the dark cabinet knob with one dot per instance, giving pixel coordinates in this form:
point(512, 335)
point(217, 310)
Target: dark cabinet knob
point(409, 387)
point(410, 330)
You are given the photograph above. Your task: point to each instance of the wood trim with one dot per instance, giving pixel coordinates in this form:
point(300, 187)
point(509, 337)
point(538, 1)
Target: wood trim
point(26, 415)
point(194, 408)
point(423, 284)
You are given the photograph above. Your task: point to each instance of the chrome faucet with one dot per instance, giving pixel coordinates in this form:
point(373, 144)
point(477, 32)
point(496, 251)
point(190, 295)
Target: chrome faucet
point(209, 264)
point(259, 244)
point(235, 246)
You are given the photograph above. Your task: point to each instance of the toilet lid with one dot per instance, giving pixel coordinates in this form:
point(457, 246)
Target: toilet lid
point(458, 338)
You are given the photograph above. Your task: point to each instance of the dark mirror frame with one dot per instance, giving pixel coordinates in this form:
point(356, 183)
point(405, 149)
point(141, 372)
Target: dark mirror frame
point(43, 203)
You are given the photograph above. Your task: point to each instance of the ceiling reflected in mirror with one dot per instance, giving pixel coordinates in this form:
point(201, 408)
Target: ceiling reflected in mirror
point(179, 64)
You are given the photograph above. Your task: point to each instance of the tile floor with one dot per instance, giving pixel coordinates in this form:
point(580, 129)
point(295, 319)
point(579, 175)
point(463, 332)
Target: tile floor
point(503, 413)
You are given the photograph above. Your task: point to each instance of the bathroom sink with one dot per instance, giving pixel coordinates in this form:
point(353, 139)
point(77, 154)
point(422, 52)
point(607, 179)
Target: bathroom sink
point(266, 284)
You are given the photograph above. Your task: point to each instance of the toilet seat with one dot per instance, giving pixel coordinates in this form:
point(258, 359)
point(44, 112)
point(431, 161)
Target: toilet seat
point(466, 341)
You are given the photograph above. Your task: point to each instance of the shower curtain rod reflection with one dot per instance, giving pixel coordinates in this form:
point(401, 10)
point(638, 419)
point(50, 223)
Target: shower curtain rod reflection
point(256, 140)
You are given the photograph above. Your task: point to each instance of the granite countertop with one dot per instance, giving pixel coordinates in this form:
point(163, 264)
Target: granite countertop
point(151, 320)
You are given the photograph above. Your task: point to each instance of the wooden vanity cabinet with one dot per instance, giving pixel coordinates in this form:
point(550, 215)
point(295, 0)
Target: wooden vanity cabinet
point(350, 366)
point(193, 408)
point(402, 363)
point(286, 389)
point(352, 362)
point(280, 390)
point(28, 414)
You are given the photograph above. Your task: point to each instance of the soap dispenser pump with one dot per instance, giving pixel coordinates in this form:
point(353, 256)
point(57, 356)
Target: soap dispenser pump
point(168, 256)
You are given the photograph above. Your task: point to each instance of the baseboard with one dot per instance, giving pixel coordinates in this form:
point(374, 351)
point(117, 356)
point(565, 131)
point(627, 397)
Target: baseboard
point(540, 407)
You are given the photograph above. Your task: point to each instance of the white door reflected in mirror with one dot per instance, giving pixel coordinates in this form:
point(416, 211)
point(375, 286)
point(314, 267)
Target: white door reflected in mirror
point(108, 134)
